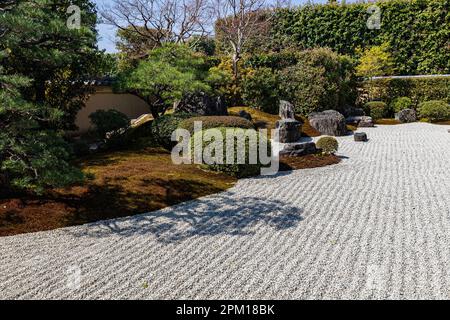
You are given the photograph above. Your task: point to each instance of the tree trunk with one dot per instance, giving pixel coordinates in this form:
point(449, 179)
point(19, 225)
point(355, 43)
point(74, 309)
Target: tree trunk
point(153, 109)
point(236, 57)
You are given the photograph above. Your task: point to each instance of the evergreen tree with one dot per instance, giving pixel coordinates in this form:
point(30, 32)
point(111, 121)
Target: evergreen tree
point(168, 73)
point(57, 57)
point(31, 158)
point(44, 64)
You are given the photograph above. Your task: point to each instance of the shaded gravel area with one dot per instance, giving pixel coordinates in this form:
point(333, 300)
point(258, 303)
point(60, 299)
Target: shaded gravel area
point(375, 226)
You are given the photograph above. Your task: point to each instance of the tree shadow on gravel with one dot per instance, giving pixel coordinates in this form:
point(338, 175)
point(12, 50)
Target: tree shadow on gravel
point(224, 214)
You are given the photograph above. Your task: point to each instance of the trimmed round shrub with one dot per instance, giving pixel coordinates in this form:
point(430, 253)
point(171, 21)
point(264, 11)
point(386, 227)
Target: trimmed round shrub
point(236, 169)
point(435, 110)
point(260, 90)
point(209, 122)
point(163, 127)
point(106, 121)
point(400, 104)
point(328, 145)
point(376, 109)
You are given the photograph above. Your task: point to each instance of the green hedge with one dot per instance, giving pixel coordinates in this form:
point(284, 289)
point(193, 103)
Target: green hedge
point(272, 60)
point(417, 89)
point(417, 32)
point(209, 122)
point(435, 110)
point(401, 103)
point(343, 29)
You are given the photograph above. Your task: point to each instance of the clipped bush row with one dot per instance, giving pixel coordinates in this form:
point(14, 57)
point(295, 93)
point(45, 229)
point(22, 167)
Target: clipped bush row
point(435, 110)
point(209, 122)
point(419, 90)
point(401, 103)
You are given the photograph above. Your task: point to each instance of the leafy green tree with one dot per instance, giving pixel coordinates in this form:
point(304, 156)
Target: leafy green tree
point(31, 158)
point(320, 80)
point(401, 103)
point(260, 90)
point(375, 61)
point(165, 76)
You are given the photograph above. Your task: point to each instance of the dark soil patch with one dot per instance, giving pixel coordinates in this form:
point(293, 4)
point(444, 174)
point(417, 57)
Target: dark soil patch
point(125, 184)
point(308, 161)
point(387, 122)
point(444, 123)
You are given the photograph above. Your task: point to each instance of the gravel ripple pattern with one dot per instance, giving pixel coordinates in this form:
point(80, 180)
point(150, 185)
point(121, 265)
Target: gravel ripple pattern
point(375, 226)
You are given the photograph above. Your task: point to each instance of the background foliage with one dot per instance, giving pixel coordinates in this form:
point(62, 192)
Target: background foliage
point(58, 59)
point(320, 80)
point(417, 32)
point(436, 110)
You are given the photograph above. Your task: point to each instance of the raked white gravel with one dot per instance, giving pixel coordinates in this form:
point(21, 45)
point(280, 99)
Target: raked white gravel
point(375, 226)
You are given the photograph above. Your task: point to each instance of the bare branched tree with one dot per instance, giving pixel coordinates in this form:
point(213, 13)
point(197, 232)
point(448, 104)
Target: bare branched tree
point(159, 21)
point(238, 21)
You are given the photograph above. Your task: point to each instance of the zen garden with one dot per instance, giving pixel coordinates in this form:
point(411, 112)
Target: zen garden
point(224, 149)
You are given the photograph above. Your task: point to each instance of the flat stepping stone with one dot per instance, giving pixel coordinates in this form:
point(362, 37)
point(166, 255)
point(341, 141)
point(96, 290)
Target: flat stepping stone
point(360, 137)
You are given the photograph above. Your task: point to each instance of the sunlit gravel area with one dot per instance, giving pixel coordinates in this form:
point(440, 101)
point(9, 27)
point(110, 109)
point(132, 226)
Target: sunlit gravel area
point(375, 226)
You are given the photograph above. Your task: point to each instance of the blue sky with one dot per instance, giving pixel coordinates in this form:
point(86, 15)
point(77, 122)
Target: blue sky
point(107, 33)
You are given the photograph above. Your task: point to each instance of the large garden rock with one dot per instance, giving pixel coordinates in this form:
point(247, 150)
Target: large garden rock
point(330, 123)
point(406, 116)
point(286, 110)
point(201, 104)
point(366, 122)
point(349, 111)
point(360, 137)
point(360, 121)
point(298, 149)
point(288, 131)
